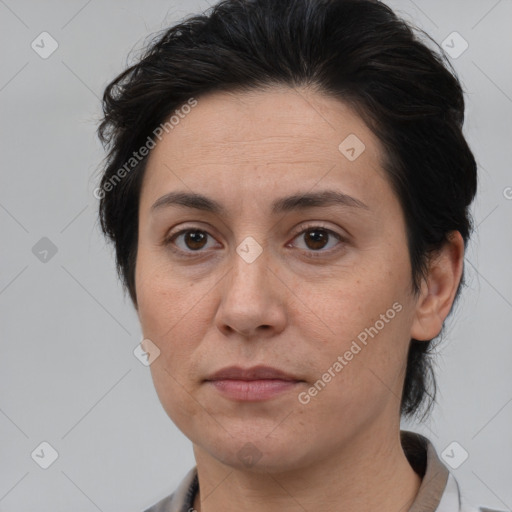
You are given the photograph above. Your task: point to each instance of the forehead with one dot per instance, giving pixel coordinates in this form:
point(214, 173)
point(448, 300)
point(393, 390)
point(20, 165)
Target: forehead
point(284, 137)
point(241, 121)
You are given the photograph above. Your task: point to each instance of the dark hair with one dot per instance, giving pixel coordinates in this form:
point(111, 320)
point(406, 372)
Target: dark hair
point(358, 51)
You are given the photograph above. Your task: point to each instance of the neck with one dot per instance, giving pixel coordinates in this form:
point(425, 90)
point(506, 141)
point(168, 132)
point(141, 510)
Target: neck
point(371, 472)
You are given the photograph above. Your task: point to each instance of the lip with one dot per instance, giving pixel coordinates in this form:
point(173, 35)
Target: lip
point(260, 372)
point(252, 384)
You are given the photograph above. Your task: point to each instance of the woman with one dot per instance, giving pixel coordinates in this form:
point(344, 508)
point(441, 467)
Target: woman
point(287, 188)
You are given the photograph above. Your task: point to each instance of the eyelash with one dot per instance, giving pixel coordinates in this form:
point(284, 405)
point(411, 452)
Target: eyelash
point(169, 241)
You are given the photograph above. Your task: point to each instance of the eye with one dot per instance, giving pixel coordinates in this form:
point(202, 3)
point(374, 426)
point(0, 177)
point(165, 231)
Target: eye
point(317, 238)
point(192, 240)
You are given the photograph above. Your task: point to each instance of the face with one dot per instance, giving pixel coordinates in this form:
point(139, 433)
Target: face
point(318, 289)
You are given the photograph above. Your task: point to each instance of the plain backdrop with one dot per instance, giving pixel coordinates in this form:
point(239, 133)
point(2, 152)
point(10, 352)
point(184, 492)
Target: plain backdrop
point(68, 375)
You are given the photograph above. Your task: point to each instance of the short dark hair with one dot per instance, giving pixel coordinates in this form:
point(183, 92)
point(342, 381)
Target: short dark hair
point(357, 51)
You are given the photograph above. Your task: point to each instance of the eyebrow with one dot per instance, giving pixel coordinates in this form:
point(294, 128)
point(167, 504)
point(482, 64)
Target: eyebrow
point(294, 202)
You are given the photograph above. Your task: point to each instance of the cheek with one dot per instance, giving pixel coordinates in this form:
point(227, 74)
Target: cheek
point(166, 301)
point(174, 315)
point(174, 394)
point(348, 304)
point(368, 316)
point(358, 380)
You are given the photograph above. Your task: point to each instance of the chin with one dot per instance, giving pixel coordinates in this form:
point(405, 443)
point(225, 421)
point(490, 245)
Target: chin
point(257, 453)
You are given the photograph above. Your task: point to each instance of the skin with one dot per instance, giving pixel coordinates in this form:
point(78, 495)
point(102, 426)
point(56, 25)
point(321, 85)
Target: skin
point(340, 451)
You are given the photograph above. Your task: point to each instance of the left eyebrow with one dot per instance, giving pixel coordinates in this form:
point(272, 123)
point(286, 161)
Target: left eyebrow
point(323, 198)
point(299, 201)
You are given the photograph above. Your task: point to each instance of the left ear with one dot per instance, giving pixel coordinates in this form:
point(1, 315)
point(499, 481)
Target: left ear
point(438, 289)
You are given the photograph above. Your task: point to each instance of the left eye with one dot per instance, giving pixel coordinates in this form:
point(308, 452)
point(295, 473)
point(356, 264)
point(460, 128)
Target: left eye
point(317, 238)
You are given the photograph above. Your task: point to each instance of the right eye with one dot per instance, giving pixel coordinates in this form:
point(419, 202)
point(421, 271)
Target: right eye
point(192, 240)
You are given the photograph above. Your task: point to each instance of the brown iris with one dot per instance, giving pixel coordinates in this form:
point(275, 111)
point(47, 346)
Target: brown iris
point(194, 239)
point(316, 236)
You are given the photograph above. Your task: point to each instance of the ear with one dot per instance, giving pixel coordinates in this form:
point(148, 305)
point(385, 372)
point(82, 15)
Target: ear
point(438, 289)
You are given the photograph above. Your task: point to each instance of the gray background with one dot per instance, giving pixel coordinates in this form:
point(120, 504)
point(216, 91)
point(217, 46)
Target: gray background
point(68, 375)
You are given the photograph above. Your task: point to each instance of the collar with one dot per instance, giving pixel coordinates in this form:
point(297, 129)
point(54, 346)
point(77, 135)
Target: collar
point(438, 492)
point(438, 487)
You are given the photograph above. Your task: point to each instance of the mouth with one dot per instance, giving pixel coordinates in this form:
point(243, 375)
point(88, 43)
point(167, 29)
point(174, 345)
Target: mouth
point(252, 384)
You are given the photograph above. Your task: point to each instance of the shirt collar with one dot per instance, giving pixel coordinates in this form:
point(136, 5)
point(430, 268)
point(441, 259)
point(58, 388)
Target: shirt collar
point(438, 491)
point(435, 476)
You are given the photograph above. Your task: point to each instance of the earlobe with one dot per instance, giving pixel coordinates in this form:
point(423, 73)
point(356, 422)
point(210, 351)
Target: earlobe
point(439, 288)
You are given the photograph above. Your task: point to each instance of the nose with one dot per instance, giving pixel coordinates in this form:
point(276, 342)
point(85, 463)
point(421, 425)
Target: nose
point(253, 299)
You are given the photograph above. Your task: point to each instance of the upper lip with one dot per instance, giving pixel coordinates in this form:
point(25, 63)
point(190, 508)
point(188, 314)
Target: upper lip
point(260, 372)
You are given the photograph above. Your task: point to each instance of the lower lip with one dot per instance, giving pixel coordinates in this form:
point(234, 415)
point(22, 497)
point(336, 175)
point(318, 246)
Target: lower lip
point(253, 390)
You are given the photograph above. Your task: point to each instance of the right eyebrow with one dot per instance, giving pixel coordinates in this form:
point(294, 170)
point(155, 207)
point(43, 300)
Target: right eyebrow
point(189, 200)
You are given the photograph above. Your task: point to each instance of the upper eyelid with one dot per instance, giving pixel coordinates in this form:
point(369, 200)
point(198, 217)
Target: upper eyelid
point(318, 224)
point(301, 227)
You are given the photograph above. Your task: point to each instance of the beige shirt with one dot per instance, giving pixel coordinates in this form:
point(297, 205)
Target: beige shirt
point(439, 491)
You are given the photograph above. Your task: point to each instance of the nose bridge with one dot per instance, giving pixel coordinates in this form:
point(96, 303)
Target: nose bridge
point(250, 267)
